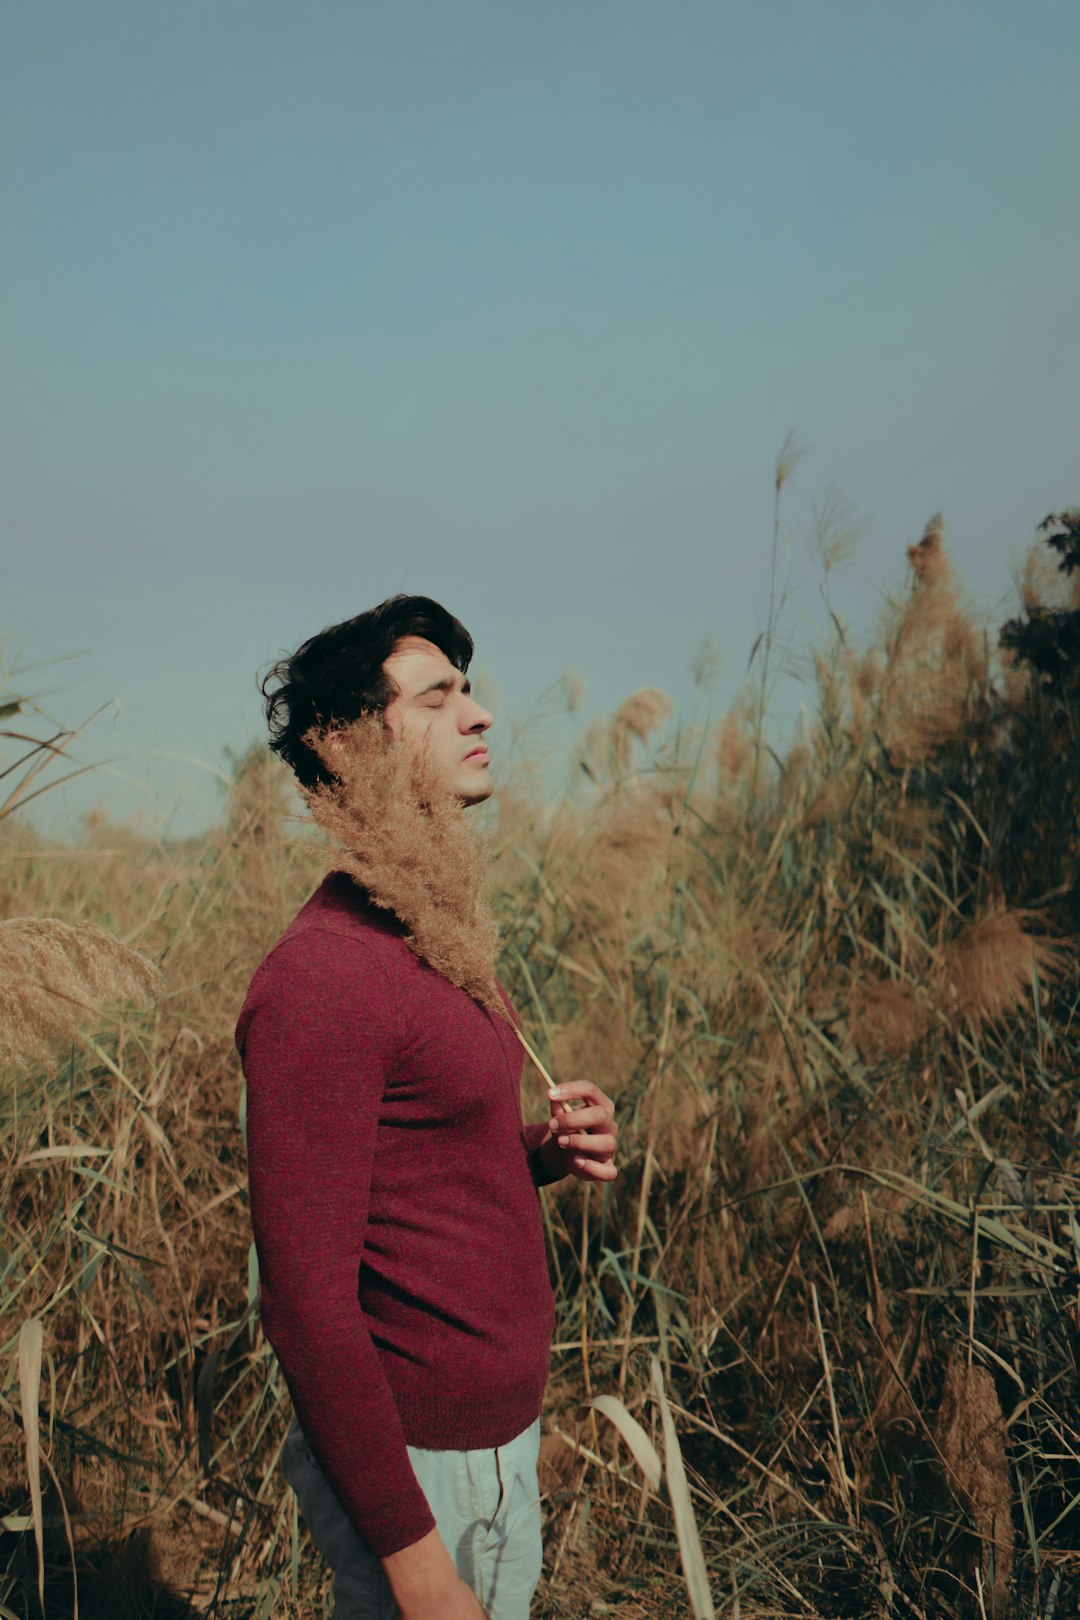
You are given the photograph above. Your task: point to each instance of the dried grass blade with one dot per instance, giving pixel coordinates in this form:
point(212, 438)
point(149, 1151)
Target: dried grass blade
point(841, 1467)
point(30, 1339)
point(547, 1078)
point(686, 1530)
point(75, 1150)
point(641, 1447)
point(993, 1228)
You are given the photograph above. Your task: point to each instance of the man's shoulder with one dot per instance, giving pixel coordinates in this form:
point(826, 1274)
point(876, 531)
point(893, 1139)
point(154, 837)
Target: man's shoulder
point(339, 906)
point(336, 938)
point(339, 951)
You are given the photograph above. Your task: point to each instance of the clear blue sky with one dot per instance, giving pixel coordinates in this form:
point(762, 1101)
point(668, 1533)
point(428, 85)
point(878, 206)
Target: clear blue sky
point(511, 304)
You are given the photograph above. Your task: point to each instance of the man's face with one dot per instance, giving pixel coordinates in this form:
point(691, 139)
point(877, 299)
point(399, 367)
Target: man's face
point(434, 705)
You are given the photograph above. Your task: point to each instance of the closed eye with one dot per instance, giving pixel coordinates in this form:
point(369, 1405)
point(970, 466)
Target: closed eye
point(433, 695)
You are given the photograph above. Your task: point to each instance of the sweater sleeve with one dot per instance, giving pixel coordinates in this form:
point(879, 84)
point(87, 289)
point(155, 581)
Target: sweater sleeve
point(316, 1039)
point(535, 1136)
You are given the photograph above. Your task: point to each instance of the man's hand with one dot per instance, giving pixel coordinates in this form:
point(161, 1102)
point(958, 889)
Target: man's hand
point(582, 1140)
point(459, 1603)
point(426, 1585)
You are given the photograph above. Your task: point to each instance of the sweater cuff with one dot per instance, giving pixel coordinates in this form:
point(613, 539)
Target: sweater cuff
point(535, 1136)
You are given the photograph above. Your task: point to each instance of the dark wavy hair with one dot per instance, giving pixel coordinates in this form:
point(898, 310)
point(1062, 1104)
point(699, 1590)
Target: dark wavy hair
point(338, 675)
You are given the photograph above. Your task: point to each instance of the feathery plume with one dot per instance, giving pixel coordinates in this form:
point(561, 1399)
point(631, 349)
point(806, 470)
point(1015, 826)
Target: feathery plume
point(258, 797)
point(794, 772)
point(401, 835)
point(971, 1436)
point(884, 1019)
point(927, 557)
point(573, 690)
point(605, 752)
point(986, 970)
point(638, 716)
point(935, 659)
point(58, 977)
point(1043, 585)
point(628, 844)
point(734, 749)
point(868, 674)
point(791, 453)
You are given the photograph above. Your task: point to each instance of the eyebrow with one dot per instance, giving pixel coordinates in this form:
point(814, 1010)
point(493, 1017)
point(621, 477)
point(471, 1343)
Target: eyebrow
point(447, 684)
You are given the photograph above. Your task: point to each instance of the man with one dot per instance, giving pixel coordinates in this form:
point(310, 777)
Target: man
point(394, 1201)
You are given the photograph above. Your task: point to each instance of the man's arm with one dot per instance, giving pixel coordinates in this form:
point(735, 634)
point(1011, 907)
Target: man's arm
point(426, 1585)
point(317, 1038)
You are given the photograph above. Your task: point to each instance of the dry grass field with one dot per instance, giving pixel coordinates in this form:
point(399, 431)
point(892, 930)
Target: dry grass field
point(835, 995)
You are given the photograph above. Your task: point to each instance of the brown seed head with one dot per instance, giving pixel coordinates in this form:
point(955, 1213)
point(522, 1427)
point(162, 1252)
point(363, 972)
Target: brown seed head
point(402, 836)
point(639, 715)
point(985, 971)
point(972, 1439)
point(884, 1018)
point(927, 557)
point(57, 978)
point(735, 749)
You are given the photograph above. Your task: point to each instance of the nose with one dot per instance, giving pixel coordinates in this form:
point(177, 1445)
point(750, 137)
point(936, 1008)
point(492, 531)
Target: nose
point(475, 717)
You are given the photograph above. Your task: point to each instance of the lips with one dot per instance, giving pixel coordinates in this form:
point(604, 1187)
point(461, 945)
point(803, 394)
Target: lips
point(476, 753)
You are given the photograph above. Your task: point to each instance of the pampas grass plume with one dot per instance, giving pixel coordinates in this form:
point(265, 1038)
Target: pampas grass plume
point(935, 661)
point(734, 749)
point(639, 715)
point(927, 556)
point(58, 977)
point(401, 835)
point(606, 753)
point(885, 1019)
point(972, 1438)
point(987, 969)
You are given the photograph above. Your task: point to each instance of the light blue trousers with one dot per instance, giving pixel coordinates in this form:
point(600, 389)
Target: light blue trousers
point(486, 1505)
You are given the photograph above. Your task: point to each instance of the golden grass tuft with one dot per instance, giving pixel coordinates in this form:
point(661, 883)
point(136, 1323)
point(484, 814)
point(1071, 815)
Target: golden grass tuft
point(642, 713)
point(606, 755)
point(794, 774)
point(884, 1018)
point(972, 1439)
point(261, 796)
point(781, 1001)
point(734, 749)
point(863, 678)
point(936, 664)
point(830, 803)
point(596, 1040)
point(57, 978)
point(869, 672)
point(928, 558)
point(623, 858)
point(1043, 584)
point(402, 837)
point(987, 970)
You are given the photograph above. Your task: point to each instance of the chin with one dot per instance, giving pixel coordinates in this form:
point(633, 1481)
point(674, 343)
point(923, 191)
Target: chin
point(475, 792)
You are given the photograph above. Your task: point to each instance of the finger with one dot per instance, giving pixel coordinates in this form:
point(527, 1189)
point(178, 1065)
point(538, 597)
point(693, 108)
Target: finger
point(586, 1089)
point(582, 1119)
point(593, 1146)
point(571, 1136)
point(595, 1169)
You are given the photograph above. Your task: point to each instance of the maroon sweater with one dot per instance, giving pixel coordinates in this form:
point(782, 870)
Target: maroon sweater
point(404, 1283)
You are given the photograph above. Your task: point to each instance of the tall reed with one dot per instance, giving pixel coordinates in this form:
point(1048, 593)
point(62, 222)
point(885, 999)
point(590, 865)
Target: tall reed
point(836, 1004)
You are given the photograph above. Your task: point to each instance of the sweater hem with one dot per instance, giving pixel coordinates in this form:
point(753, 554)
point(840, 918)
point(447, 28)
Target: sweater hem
point(454, 1423)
